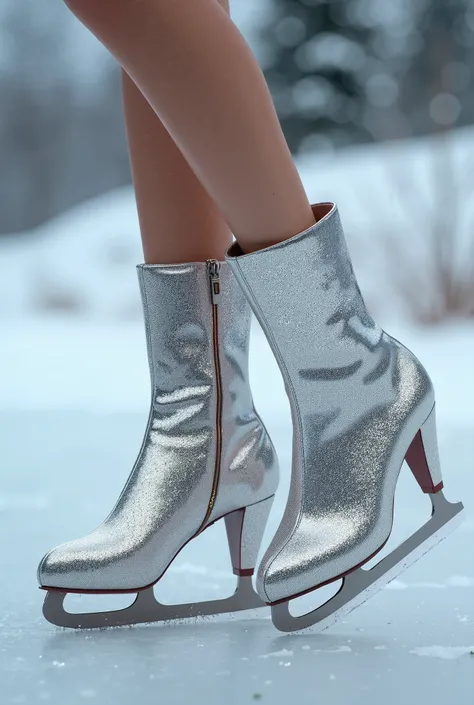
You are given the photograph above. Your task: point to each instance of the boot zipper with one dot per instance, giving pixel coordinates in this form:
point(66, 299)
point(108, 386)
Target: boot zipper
point(213, 270)
point(213, 267)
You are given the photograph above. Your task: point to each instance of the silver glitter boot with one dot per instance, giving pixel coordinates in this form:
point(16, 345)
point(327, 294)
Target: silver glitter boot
point(361, 403)
point(205, 456)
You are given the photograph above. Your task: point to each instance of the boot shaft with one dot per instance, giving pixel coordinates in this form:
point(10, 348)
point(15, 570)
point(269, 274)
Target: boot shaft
point(197, 341)
point(306, 296)
point(197, 323)
point(357, 398)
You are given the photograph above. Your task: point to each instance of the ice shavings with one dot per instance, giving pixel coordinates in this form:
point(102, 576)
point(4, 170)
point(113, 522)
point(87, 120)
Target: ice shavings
point(284, 653)
point(337, 650)
point(460, 581)
point(444, 652)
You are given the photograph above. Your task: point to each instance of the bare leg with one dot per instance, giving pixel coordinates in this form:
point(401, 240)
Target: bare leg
point(201, 78)
point(179, 221)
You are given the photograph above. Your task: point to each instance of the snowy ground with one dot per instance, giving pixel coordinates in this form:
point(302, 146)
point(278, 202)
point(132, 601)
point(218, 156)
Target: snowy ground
point(73, 405)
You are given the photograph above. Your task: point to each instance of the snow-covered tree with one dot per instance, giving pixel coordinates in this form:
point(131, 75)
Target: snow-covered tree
point(348, 70)
point(318, 57)
point(436, 82)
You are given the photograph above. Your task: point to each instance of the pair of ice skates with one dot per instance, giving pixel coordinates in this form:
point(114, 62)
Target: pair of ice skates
point(361, 403)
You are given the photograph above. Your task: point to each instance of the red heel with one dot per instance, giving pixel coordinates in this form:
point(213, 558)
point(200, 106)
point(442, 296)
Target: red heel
point(245, 529)
point(422, 457)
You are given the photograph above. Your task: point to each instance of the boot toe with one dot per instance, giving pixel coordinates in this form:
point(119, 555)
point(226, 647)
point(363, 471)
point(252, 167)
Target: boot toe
point(65, 567)
point(285, 574)
point(289, 567)
point(92, 563)
point(104, 560)
point(314, 555)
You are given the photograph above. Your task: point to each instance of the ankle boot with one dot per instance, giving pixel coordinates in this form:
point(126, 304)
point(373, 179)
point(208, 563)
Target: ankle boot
point(205, 454)
point(361, 403)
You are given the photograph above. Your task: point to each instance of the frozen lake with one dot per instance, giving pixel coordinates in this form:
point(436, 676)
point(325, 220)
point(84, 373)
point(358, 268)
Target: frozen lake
point(68, 442)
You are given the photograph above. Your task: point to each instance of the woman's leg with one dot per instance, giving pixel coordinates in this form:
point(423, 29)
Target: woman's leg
point(179, 221)
point(201, 78)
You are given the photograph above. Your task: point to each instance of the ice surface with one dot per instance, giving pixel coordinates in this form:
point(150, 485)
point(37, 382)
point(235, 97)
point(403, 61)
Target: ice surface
point(283, 653)
point(461, 581)
point(61, 472)
point(444, 652)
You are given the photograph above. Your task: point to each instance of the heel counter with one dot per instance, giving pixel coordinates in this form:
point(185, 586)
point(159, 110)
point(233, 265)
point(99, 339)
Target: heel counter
point(270, 457)
point(421, 383)
point(250, 469)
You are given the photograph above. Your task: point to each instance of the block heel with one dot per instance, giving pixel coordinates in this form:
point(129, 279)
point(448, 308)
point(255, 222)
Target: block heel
point(422, 457)
point(245, 529)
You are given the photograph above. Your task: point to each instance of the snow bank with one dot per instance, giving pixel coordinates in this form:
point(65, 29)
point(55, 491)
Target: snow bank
point(83, 263)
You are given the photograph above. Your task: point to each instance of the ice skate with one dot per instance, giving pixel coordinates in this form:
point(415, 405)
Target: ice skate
point(205, 456)
point(361, 403)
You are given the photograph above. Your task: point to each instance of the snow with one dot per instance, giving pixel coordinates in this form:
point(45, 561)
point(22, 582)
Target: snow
point(338, 650)
point(278, 654)
point(84, 261)
point(444, 652)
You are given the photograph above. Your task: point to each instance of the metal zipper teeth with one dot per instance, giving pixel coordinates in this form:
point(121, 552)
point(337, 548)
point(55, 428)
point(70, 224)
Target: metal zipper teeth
point(213, 268)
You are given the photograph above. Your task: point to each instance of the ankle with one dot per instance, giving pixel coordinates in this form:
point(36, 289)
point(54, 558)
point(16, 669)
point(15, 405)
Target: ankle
point(249, 245)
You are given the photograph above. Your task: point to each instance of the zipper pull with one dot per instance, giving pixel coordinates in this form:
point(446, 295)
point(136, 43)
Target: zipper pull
point(213, 268)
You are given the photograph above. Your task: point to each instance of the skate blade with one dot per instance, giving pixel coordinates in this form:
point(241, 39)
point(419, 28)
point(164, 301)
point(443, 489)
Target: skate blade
point(359, 586)
point(146, 608)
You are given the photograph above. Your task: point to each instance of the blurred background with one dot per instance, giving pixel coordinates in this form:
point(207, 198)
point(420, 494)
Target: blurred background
point(376, 100)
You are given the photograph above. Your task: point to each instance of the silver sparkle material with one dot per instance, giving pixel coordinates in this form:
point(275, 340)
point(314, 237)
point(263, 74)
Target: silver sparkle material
point(360, 585)
point(205, 452)
point(358, 399)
